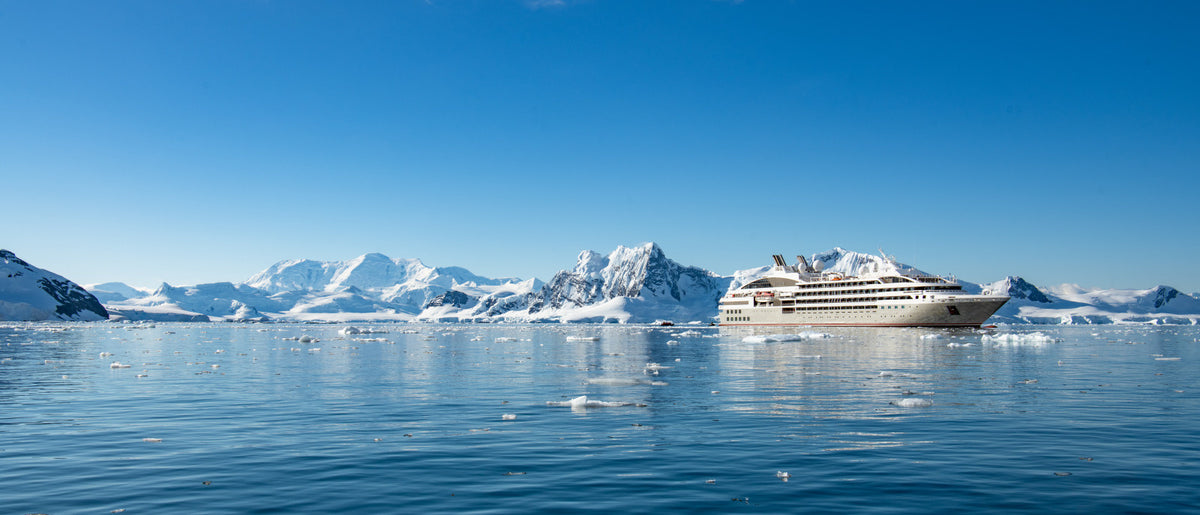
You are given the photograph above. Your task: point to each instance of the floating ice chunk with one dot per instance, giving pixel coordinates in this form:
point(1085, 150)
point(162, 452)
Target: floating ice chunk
point(505, 339)
point(105, 354)
point(1166, 359)
point(582, 402)
point(654, 368)
point(308, 339)
point(1037, 338)
point(508, 416)
point(152, 440)
point(771, 338)
point(913, 402)
point(583, 338)
point(350, 330)
point(784, 476)
point(118, 364)
point(672, 342)
point(953, 344)
point(932, 336)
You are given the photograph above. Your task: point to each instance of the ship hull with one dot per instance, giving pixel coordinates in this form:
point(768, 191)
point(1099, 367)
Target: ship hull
point(954, 311)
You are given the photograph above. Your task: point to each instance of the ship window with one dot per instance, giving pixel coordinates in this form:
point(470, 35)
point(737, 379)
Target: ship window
point(953, 310)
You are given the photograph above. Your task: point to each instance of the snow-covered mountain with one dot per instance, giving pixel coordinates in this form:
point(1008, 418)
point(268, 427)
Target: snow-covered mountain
point(369, 287)
point(225, 301)
point(1070, 304)
point(627, 285)
point(114, 292)
point(30, 293)
point(630, 284)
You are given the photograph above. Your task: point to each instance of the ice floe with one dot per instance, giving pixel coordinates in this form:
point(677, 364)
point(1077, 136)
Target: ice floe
point(583, 402)
point(771, 338)
point(913, 402)
point(1037, 338)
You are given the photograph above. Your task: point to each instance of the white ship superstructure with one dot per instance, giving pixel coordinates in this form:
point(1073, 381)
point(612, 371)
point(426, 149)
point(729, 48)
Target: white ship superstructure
point(884, 295)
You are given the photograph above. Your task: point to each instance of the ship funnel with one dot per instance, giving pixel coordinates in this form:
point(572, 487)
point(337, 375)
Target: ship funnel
point(804, 266)
point(779, 260)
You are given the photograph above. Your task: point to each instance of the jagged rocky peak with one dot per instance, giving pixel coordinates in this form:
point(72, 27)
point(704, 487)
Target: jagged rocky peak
point(849, 262)
point(1163, 295)
point(9, 257)
point(590, 263)
point(454, 298)
point(31, 293)
point(1018, 289)
point(641, 272)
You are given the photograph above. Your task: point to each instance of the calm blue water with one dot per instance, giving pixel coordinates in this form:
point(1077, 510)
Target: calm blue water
point(237, 419)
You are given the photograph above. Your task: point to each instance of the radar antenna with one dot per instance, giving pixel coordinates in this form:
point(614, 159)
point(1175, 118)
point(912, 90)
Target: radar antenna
point(891, 260)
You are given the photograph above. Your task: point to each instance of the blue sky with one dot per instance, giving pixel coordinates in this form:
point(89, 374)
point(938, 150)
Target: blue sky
point(200, 141)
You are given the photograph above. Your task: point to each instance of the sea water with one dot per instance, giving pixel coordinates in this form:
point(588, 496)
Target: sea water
point(224, 418)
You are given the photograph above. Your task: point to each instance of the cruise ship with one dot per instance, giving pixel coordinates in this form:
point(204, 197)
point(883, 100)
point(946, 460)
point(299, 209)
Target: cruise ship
point(884, 295)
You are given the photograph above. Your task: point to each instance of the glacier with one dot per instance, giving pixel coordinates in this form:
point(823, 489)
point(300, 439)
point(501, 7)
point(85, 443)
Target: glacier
point(636, 284)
